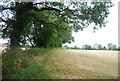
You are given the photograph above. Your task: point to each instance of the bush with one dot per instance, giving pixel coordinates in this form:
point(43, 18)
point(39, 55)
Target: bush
point(16, 62)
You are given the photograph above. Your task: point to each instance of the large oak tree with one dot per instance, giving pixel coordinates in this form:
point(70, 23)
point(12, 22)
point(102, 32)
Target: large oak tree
point(49, 24)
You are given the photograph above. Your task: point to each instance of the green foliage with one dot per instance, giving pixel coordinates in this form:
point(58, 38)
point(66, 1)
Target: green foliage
point(29, 72)
point(47, 35)
point(87, 47)
point(97, 47)
point(23, 65)
point(109, 46)
point(50, 24)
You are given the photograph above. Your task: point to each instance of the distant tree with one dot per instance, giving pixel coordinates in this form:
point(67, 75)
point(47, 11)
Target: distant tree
point(119, 48)
point(83, 47)
point(109, 46)
point(86, 47)
point(114, 47)
point(95, 46)
point(75, 47)
point(66, 47)
point(104, 48)
point(99, 47)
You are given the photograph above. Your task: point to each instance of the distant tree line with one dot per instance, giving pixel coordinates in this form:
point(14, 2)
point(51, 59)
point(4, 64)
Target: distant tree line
point(109, 46)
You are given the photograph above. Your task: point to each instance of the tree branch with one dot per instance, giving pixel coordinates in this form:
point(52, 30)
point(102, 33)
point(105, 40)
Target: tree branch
point(38, 3)
point(3, 8)
point(47, 8)
point(43, 21)
point(2, 20)
point(5, 29)
point(56, 26)
point(51, 8)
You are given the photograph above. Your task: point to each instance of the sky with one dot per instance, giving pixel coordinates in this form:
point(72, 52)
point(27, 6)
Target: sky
point(103, 36)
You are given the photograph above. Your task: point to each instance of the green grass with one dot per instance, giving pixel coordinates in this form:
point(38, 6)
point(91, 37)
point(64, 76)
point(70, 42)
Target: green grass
point(57, 63)
point(22, 65)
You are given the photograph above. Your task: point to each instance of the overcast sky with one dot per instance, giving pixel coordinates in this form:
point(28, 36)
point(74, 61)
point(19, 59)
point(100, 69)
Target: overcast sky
point(103, 36)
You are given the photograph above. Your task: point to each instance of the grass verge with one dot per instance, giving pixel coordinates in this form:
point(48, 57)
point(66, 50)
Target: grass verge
point(20, 64)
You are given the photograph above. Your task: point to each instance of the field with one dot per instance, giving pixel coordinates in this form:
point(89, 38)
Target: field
point(61, 63)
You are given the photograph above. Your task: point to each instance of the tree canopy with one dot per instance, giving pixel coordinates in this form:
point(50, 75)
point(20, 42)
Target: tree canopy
point(49, 24)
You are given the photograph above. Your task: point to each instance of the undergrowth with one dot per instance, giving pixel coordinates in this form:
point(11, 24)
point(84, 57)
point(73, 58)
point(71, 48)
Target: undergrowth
point(20, 64)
